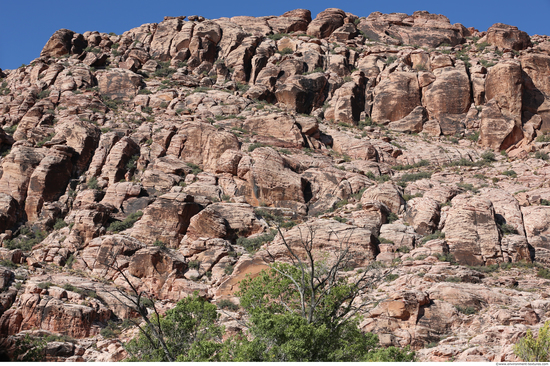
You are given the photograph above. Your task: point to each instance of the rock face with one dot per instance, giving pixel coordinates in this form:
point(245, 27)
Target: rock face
point(167, 219)
point(508, 36)
point(395, 97)
point(471, 231)
point(163, 159)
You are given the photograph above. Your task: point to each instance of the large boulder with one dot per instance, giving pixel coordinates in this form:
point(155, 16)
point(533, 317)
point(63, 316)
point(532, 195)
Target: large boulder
point(423, 215)
point(386, 193)
point(395, 97)
point(115, 167)
point(280, 126)
point(448, 94)
point(119, 84)
point(59, 44)
point(166, 219)
point(162, 38)
point(504, 84)
point(498, 130)
point(303, 93)
point(326, 22)
point(471, 231)
point(508, 37)
point(537, 228)
point(8, 212)
point(348, 103)
point(49, 179)
point(17, 168)
point(292, 21)
point(536, 67)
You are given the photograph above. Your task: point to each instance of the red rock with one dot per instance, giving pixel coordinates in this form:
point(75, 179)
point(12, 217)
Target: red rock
point(326, 22)
point(508, 36)
point(395, 97)
point(59, 44)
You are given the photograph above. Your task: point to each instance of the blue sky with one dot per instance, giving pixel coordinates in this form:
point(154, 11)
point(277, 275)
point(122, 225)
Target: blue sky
point(26, 26)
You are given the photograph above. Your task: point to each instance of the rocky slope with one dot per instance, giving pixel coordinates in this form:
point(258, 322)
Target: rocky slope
point(172, 151)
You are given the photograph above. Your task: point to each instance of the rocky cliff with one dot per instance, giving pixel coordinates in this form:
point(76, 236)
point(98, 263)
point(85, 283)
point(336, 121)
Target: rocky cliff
point(173, 149)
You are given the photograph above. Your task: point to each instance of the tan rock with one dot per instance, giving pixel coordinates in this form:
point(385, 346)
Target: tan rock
point(508, 36)
point(498, 131)
point(448, 94)
point(326, 22)
point(395, 97)
point(292, 21)
point(166, 219)
point(115, 168)
point(119, 84)
point(471, 231)
point(348, 103)
point(59, 44)
point(537, 228)
point(8, 212)
point(281, 126)
point(386, 193)
point(423, 214)
point(504, 83)
point(537, 66)
point(412, 123)
point(49, 179)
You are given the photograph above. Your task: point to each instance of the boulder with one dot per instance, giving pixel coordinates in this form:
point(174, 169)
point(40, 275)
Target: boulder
point(115, 167)
point(59, 44)
point(162, 38)
point(280, 126)
point(347, 103)
point(448, 94)
point(82, 136)
point(119, 84)
point(327, 239)
point(504, 84)
point(303, 93)
point(498, 130)
point(386, 193)
point(423, 215)
point(17, 168)
point(508, 37)
point(395, 97)
point(166, 219)
point(412, 123)
point(537, 228)
point(292, 21)
point(471, 231)
point(8, 212)
point(49, 180)
point(536, 67)
point(326, 22)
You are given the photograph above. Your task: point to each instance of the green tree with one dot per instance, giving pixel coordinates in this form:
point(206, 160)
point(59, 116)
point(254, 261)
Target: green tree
point(307, 310)
point(531, 349)
point(189, 332)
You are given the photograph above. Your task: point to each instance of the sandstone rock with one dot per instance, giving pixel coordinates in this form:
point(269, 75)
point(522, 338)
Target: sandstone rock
point(423, 214)
point(201, 143)
point(327, 238)
point(162, 38)
point(269, 182)
point(302, 93)
point(504, 83)
point(167, 219)
point(498, 131)
point(115, 164)
point(326, 22)
point(117, 193)
point(537, 224)
point(154, 262)
point(277, 125)
point(119, 84)
point(49, 179)
point(44, 312)
point(395, 97)
point(471, 231)
point(507, 36)
point(17, 168)
point(412, 123)
point(507, 209)
point(83, 137)
point(448, 94)
point(386, 193)
point(59, 44)
point(347, 103)
point(8, 212)
point(291, 21)
point(224, 220)
point(536, 86)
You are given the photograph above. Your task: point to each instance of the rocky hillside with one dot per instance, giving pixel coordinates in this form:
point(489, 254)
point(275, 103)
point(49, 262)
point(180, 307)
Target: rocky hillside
point(174, 150)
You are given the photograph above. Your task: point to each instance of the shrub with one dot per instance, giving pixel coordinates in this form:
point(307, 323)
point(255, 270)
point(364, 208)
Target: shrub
point(544, 273)
point(403, 249)
point(255, 145)
point(126, 224)
point(7, 263)
point(44, 285)
point(507, 229)
point(159, 243)
point(384, 240)
point(228, 270)
point(392, 217)
point(70, 261)
point(43, 94)
point(92, 183)
point(59, 224)
point(277, 36)
point(195, 169)
point(448, 257)
point(453, 279)
point(543, 138)
point(415, 176)
point(468, 310)
point(542, 155)
point(437, 235)
point(252, 244)
point(227, 305)
point(391, 277)
point(531, 349)
point(468, 187)
point(421, 163)
point(510, 173)
point(194, 264)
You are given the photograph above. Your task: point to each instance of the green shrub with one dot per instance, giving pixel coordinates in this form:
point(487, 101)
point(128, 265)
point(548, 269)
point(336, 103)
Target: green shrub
point(510, 173)
point(59, 224)
point(195, 169)
point(70, 261)
point(468, 310)
point(255, 145)
point(544, 273)
point(92, 183)
point(392, 217)
point(277, 36)
point(543, 138)
point(43, 94)
point(415, 176)
point(228, 270)
point(164, 70)
point(391, 277)
point(227, 305)
point(7, 263)
point(421, 163)
point(131, 164)
point(45, 139)
point(253, 244)
point(126, 224)
point(542, 155)
point(159, 243)
point(468, 187)
point(403, 249)
point(26, 240)
point(44, 285)
point(531, 349)
point(384, 240)
point(507, 229)
point(453, 279)
point(437, 235)
point(194, 265)
point(448, 257)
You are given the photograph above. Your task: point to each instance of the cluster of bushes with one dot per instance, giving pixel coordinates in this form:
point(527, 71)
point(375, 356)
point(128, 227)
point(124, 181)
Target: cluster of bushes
point(126, 224)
